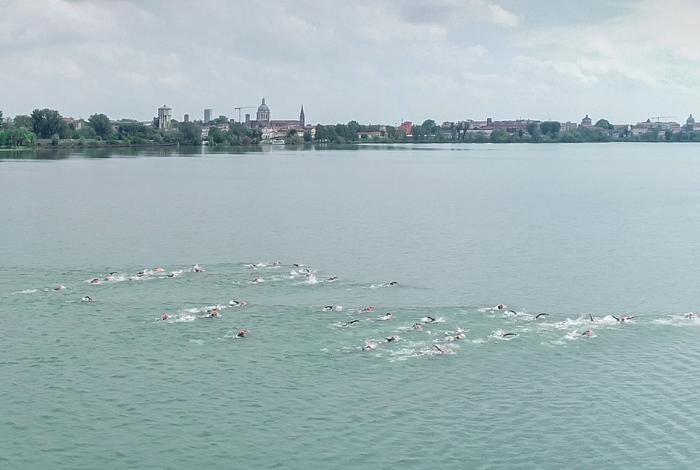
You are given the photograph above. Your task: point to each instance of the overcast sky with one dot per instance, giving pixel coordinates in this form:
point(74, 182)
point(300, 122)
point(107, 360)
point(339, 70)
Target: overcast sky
point(374, 61)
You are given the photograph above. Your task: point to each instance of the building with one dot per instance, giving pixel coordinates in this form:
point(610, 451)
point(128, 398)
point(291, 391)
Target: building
point(586, 122)
point(165, 114)
point(689, 124)
point(263, 120)
point(407, 126)
point(187, 118)
point(208, 116)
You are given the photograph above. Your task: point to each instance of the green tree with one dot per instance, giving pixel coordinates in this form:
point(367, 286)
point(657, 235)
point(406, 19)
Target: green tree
point(429, 127)
point(48, 122)
point(191, 133)
point(131, 128)
point(221, 120)
point(101, 124)
point(2, 121)
point(499, 136)
point(550, 128)
point(534, 130)
point(22, 120)
point(604, 124)
point(293, 138)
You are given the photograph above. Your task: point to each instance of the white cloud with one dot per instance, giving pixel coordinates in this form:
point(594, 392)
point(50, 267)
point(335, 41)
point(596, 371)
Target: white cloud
point(502, 17)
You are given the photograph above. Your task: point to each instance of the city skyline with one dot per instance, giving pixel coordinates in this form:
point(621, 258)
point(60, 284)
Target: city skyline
point(446, 60)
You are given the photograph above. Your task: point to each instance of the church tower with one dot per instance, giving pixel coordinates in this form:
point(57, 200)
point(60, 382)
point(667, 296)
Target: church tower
point(263, 116)
point(302, 119)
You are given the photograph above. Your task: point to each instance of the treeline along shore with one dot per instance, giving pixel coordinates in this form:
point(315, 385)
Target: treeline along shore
point(46, 128)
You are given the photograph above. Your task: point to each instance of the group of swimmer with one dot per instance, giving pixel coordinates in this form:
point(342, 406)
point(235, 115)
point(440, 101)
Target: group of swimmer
point(140, 274)
point(460, 334)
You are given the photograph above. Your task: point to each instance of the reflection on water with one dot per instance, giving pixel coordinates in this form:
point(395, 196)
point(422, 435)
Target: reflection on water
point(187, 151)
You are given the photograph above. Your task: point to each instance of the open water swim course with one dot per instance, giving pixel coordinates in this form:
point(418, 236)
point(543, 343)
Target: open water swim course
point(578, 232)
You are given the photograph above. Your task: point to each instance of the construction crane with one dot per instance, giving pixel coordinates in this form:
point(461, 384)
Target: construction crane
point(659, 118)
point(239, 111)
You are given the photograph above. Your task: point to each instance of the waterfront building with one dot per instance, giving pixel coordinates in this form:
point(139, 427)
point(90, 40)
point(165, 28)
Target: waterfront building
point(164, 116)
point(586, 122)
point(407, 126)
point(208, 116)
point(263, 120)
point(689, 124)
point(187, 118)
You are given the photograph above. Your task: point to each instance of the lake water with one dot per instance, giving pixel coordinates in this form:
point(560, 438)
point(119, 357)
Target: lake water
point(607, 230)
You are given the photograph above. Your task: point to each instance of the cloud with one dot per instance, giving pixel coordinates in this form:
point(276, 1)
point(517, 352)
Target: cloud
point(364, 60)
point(503, 17)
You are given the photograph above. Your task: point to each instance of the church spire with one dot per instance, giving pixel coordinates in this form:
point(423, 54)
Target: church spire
point(302, 118)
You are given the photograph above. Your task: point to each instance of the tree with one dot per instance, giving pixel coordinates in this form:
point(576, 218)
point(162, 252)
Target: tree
point(550, 128)
point(22, 137)
point(48, 122)
point(429, 127)
point(191, 133)
point(2, 121)
point(534, 130)
point(23, 120)
point(131, 128)
point(499, 136)
point(604, 124)
point(293, 138)
point(100, 123)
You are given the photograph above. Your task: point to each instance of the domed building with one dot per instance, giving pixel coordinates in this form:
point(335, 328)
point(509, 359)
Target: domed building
point(263, 121)
point(689, 124)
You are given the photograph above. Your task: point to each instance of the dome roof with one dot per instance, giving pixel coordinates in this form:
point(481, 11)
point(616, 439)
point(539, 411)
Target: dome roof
point(263, 107)
point(690, 120)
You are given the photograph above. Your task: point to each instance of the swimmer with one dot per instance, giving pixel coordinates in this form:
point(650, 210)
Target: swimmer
point(211, 314)
point(297, 265)
point(277, 263)
point(368, 346)
point(587, 333)
point(505, 335)
point(391, 338)
point(257, 279)
point(350, 322)
point(159, 270)
point(197, 269)
point(242, 334)
point(388, 316)
point(594, 320)
point(87, 298)
point(60, 287)
point(417, 326)
point(690, 316)
point(166, 317)
point(95, 281)
point(500, 307)
point(333, 278)
point(327, 308)
point(236, 303)
point(367, 309)
point(460, 336)
point(430, 320)
point(394, 283)
point(541, 315)
point(441, 349)
point(173, 275)
point(623, 319)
